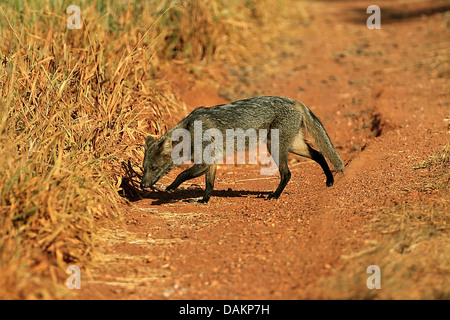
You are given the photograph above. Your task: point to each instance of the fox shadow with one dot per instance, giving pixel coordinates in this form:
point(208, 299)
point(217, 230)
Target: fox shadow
point(130, 190)
point(192, 195)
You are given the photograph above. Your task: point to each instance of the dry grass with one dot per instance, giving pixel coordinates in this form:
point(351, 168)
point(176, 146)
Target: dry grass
point(413, 256)
point(438, 165)
point(75, 106)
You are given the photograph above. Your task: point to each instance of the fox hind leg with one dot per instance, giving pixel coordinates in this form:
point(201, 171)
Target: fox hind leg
point(302, 148)
point(318, 157)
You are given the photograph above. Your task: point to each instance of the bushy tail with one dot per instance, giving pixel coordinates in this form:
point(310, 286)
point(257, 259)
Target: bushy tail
point(320, 136)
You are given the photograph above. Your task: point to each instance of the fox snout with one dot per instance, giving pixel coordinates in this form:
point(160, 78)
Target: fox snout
point(144, 185)
point(146, 181)
point(153, 174)
point(157, 160)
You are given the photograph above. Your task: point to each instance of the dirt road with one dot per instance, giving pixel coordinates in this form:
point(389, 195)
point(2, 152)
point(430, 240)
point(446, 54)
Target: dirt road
point(382, 95)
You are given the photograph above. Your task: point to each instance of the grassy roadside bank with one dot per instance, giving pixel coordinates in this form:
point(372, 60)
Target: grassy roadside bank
point(71, 116)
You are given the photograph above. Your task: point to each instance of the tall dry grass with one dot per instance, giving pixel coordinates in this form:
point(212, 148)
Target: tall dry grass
point(74, 108)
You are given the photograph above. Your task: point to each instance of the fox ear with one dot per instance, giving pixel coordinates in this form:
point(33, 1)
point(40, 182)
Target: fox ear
point(149, 142)
point(166, 147)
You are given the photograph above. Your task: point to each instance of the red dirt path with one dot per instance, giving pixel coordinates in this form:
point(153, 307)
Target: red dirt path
point(383, 97)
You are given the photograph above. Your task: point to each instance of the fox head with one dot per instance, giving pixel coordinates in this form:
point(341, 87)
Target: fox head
point(157, 160)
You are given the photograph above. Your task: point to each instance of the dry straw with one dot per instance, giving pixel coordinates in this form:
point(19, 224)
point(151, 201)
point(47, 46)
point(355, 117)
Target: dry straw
point(75, 107)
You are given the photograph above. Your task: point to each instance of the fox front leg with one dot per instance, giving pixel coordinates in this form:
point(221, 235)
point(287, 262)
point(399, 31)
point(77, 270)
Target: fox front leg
point(209, 182)
point(193, 172)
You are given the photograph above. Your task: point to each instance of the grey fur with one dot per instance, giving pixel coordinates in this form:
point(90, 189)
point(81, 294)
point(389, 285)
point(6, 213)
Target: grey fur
point(289, 116)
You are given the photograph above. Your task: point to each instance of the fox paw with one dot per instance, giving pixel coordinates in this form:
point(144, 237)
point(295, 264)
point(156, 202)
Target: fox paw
point(170, 189)
point(272, 196)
